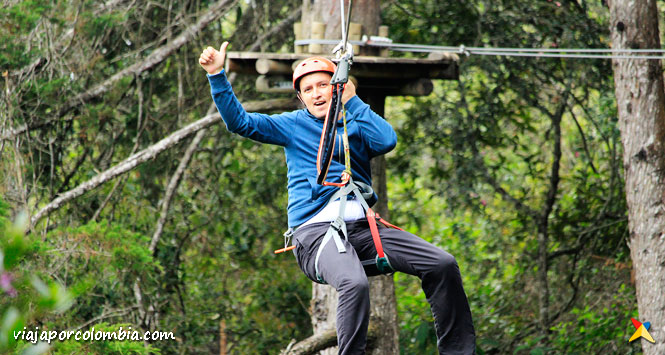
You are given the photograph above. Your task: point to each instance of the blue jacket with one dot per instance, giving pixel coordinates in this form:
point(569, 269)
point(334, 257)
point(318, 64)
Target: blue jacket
point(299, 132)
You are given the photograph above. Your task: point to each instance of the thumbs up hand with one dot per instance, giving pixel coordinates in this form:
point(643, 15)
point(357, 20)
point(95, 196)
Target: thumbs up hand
point(212, 60)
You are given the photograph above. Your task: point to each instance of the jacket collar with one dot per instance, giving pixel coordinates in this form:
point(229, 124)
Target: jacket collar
point(309, 115)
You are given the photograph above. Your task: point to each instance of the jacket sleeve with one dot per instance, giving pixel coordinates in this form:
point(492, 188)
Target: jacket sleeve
point(272, 129)
point(378, 135)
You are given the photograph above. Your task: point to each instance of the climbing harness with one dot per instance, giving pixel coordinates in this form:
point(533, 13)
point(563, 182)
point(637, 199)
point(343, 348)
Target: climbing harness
point(337, 228)
point(361, 191)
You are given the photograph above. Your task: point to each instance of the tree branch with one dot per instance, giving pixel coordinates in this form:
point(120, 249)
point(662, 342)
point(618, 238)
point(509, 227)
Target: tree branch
point(68, 35)
point(325, 340)
point(556, 163)
point(151, 152)
point(542, 222)
point(521, 207)
point(155, 58)
point(574, 284)
point(313, 344)
point(104, 315)
point(175, 180)
point(172, 186)
point(126, 165)
point(279, 28)
point(584, 144)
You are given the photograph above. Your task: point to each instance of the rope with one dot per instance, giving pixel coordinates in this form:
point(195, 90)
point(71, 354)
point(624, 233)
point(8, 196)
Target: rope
point(581, 53)
point(339, 79)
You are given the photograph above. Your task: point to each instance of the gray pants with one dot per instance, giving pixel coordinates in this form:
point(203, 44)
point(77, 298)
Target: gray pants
point(437, 269)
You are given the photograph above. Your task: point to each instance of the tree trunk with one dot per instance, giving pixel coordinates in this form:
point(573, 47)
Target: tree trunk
point(383, 314)
point(641, 107)
point(365, 12)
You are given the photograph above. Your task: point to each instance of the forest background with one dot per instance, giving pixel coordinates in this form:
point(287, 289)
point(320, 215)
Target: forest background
point(517, 157)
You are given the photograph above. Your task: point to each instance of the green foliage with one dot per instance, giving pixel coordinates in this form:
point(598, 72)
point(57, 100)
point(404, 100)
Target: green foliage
point(604, 329)
point(490, 135)
point(26, 14)
point(111, 347)
point(25, 297)
point(16, 20)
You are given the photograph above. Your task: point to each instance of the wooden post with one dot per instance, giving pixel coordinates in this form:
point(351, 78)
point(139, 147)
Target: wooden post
point(318, 31)
point(269, 66)
point(355, 34)
point(274, 84)
point(382, 288)
point(383, 32)
point(297, 31)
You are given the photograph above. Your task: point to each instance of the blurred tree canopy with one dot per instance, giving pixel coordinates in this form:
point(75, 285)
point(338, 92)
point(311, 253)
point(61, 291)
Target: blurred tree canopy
point(515, 169)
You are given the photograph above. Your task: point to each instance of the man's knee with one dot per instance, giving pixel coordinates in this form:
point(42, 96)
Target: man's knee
point(445, 263)
point(356, 284)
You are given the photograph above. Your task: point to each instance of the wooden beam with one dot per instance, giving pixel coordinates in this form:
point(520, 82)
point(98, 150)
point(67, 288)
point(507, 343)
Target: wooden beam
point(246, 66)
point(281, 84)
point(442, 66)
point(274, 105)
point(418, 87)
point(274, 84)
point(405, 70)
point(265, 66)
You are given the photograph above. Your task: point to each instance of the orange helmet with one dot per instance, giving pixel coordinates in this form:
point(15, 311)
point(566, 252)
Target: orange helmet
point(311, 65)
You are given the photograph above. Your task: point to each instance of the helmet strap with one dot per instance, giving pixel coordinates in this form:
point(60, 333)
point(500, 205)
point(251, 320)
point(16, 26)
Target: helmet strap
point(300, 98)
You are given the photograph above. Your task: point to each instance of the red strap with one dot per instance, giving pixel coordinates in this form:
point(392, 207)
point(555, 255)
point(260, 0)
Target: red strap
point(386, 223)
point(371, 218)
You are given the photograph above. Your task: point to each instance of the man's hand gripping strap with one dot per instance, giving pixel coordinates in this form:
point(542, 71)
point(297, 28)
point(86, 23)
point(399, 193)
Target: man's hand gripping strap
point(328, 135)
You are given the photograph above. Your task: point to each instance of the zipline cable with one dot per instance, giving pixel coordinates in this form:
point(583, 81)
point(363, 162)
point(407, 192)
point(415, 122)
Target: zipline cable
point(596, 53)
point(345, 22)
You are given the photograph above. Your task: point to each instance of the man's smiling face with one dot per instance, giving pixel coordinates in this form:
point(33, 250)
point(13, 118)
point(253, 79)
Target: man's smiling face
point(316, 93)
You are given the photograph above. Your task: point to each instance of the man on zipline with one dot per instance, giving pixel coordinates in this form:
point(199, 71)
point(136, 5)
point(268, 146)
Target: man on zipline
point(310, 214)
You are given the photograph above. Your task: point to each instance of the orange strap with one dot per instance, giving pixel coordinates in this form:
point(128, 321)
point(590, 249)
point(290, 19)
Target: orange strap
point(285, 249)
point(388, 224)
point(345, 179)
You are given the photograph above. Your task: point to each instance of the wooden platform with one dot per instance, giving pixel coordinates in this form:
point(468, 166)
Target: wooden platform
point(395, 76)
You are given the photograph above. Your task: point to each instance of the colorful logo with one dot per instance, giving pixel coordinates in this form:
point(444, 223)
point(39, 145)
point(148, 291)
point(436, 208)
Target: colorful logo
point(642, 331)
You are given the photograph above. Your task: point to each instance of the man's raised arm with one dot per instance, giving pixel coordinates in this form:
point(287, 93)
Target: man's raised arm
point(272, 129)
